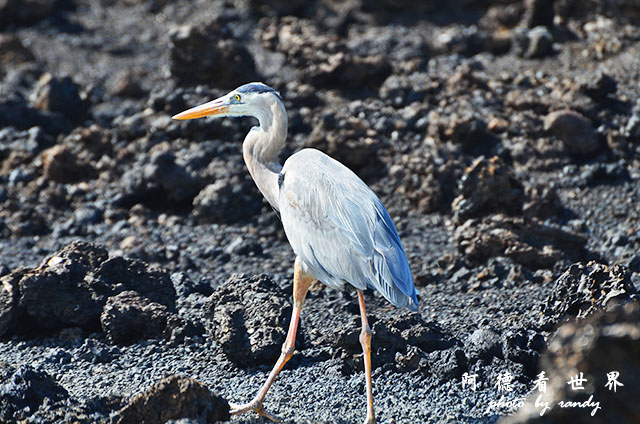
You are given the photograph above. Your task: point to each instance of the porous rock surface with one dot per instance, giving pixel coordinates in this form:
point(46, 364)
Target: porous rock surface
point(502, 136)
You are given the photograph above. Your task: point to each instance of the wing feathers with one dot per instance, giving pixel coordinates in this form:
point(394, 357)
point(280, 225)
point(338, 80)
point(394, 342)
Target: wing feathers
point(341, 230)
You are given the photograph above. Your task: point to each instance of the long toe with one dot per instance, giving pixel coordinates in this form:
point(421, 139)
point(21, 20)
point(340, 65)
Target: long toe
point(238, 409)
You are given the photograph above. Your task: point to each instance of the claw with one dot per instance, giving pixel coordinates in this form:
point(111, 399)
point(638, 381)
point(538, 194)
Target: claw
point(257, 407)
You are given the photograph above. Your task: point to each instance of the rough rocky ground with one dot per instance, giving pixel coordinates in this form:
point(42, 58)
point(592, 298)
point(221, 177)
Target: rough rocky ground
point(503, 136)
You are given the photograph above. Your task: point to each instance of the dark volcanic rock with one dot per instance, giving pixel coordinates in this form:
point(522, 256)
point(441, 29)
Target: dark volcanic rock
point(527, 241)
point(59, 95)
point(483, 344)
point(249, 318)
point(487, 186)
point(396, 335)
point(224, 202)
point(173, 398)
point(16, 112)
point(584, 289)
point(542, 202)
point(596, 347)
point(52, 296)
point(70, 288)
point(574, 130)
point(128, 317)
point(598, 85)
point(25, 12)
point(159, 181)
point(7, 305)
point(23, 390)
point(324, 59)
point(209, 54)
point(61, 165)
point(13, 51)
point(118, 274)
point(447, 364)
point(523, 347)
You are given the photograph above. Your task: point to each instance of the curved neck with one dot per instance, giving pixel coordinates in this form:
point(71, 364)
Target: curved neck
point(261, 147)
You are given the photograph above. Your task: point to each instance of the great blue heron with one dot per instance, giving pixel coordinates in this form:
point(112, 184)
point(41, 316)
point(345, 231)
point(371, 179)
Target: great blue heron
point(338, 228)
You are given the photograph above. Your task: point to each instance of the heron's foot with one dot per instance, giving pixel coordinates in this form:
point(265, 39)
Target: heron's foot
point(255, 406)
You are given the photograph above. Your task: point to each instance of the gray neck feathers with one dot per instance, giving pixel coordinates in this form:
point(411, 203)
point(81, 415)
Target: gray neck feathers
point(263, 144)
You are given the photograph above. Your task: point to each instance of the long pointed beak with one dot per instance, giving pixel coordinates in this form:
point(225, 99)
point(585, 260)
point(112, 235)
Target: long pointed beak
point(214, 107)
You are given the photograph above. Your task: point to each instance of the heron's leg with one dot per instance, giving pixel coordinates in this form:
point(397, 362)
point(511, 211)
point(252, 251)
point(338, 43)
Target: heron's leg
point(301, 282)
point(365, 341)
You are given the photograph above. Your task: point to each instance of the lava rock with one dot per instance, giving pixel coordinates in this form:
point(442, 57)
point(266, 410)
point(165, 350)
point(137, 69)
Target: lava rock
point(128, 317)
point(173, 398)
point(206, 53)
point(526, 241)
point(71, 287)
point(393, 335)
point(597, 346)
point(521, 346)
point(118, 274)
point(483, 344)
point(598, 85)
point(13, 51)
point(159, 181)
point(224, 202)
point(487, 186)
point(533, 43)
point(574, 130)
point(25, 12)
point(61, 165)
point(463, 127)
point(542, 202)
point(23, 390)
point(7, 304)
point(185, 286)
point(51, 296)
point(59, 95)
point(345, 70)
point(16, 112)
point(583, 289)
point(447, 364)
point(325, 60)
point(248, 317)
point(95, 352)
point(350, 140)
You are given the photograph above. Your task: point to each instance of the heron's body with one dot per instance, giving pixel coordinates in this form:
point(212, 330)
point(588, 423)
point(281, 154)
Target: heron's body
point(338, 228)
point(356, 243)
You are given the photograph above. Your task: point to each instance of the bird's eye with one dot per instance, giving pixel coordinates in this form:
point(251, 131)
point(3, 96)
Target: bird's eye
point(237, 97)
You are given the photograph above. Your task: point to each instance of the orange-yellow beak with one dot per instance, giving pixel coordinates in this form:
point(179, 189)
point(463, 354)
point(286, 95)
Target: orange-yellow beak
point(214, 107)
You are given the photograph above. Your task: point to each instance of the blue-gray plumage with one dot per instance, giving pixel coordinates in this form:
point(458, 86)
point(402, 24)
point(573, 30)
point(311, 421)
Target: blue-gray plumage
point(341, 230)
point(338, 228)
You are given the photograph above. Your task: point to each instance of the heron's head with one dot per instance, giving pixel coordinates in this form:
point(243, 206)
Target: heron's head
point(253, 99)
